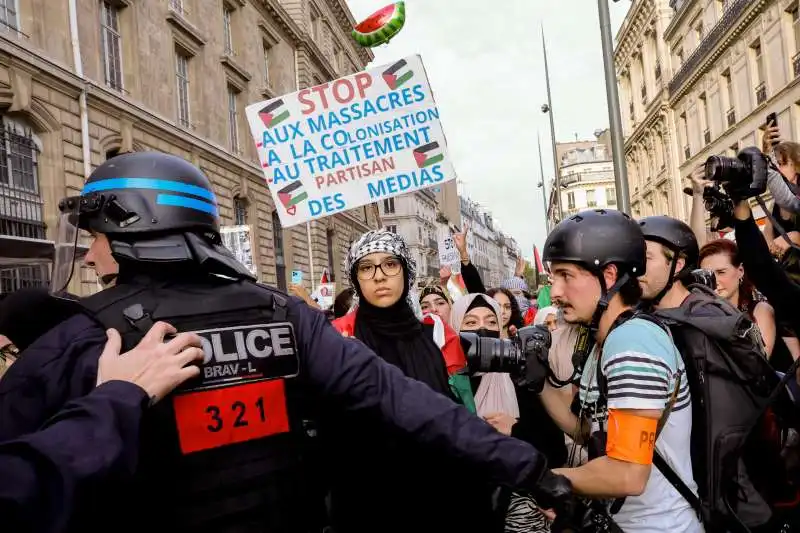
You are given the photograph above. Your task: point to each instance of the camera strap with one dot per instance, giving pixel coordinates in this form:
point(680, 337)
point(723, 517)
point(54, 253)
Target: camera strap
point(602, 385)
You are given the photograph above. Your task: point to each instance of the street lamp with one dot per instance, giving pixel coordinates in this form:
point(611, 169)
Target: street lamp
point(548, 108)
point(614, 115)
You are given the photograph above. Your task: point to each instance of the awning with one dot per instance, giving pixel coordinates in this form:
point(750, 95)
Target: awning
point(25, 251)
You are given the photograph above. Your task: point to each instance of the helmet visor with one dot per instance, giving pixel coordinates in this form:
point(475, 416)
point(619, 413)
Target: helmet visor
point(65, 245)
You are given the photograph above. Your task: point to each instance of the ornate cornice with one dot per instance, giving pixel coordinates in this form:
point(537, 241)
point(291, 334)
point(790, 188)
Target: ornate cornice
point(632, 31)
point(346, 21)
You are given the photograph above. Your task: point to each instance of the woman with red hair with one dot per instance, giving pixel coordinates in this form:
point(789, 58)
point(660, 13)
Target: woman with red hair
point(722, 257)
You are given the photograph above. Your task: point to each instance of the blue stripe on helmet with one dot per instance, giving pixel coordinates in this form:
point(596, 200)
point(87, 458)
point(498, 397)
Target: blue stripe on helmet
point(190, 203)
point(148, 183)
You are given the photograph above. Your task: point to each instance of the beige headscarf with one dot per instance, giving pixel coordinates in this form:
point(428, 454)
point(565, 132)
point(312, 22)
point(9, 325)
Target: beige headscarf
point(461, 305)
point(496, 392)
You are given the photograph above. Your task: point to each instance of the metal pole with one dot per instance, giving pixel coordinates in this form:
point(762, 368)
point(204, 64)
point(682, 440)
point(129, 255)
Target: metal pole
point(614, 116)
point(544, 187)
point(556, 166)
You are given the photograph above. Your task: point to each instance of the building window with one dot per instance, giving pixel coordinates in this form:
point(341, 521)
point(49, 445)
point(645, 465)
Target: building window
point(8, 14)
point(391, 228)
point(227, 17)
point(679, 56)
point(330, 237)
point(233, 120)
point(21, 213)
point(336, 57)
point(794, 12)
point(759, 72)
point(112, 44)
point(266, 48)
point(705, 120)
point(239, 211)
point(316, 21)
point(176, 5)
point(591, 200)
point(611, 196)
point(182, 80)
point(388, 205)
point(570, 200)
point(277, 243)
point(111, 154)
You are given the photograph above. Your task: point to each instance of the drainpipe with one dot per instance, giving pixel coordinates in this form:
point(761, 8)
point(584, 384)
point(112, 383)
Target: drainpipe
point(308, 224)
point(76, 56)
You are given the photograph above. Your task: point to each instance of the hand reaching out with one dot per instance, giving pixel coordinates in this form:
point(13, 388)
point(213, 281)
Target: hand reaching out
point(156, 366)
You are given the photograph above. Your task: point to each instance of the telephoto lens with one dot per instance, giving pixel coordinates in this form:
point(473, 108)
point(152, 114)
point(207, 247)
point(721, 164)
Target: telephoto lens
point(726, 169)
point(524, 357)
point(485, 354)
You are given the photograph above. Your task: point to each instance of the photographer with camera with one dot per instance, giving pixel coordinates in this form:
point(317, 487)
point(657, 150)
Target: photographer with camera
point(512, 409)
point(629, 401)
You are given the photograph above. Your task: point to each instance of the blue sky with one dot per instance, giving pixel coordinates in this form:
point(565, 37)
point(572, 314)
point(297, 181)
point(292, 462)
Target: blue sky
point(487, 73)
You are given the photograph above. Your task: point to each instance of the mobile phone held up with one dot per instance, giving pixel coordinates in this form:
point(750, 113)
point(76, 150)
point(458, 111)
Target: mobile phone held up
point(772, 119)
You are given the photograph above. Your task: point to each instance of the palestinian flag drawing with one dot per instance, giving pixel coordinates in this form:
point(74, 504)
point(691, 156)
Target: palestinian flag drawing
point(273, 114)
point(291, 195)
point(396, 75)
point(428, 154)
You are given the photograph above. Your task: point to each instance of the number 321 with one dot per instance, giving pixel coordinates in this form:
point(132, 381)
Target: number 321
point(239, 409)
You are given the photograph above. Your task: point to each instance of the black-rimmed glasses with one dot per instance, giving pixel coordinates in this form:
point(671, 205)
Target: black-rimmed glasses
point(391, 266)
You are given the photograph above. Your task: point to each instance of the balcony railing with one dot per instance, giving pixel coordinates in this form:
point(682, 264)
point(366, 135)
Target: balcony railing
point(707, 136)
point(692, 63)
point(687, 152)
point(796, 65)
point(761, 94)
point(731, 115)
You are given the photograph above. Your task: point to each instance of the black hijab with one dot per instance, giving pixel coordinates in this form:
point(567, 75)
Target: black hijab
point(395, 333)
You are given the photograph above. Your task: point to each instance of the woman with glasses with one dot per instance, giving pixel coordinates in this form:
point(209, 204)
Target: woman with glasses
point(382, 481)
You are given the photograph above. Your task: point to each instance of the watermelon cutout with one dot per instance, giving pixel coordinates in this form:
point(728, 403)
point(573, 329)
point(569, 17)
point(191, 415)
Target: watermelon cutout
point(381, 26)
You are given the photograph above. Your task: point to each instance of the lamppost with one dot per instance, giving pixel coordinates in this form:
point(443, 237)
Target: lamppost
point(548, 108)
point(614, 115)
point(542, 184)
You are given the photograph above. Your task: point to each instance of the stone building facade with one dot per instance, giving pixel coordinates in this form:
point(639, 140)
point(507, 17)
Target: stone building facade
point(84, 80)
point(738, 60)
point(644, 68)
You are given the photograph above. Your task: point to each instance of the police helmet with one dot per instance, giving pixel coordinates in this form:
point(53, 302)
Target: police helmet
point(673, 234)
point(145, 192)
point(597, 238)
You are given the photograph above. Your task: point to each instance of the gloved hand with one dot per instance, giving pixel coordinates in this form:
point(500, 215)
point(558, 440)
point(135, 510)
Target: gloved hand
point(555, 492)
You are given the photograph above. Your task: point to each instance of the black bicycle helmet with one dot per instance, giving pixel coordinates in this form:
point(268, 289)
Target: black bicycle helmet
point(673, 234)
point(597, 238)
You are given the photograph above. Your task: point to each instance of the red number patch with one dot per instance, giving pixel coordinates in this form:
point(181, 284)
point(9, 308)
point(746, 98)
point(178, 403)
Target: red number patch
point(214, 418)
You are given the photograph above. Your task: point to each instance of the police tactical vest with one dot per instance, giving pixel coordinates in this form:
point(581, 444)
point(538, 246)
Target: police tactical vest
point(230, 451)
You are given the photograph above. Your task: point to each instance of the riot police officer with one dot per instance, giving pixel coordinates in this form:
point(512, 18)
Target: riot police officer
point(230, 451)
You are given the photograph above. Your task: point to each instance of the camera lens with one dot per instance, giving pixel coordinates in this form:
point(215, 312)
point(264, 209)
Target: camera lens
point(490, 355)
point(724, 169)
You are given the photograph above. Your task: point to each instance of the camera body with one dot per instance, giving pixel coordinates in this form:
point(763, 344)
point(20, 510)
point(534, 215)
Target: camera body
point(701, 276)
point(743, 176)
point(524, 357)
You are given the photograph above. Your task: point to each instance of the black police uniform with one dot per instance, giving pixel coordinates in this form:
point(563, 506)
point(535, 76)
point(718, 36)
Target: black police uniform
point(232, 450)
point(39, 470)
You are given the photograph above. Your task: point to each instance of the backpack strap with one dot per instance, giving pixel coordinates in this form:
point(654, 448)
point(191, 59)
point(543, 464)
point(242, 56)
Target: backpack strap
point(676, 481)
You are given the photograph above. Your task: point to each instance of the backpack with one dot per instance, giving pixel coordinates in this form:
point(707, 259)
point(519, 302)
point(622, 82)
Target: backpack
point(741, 415)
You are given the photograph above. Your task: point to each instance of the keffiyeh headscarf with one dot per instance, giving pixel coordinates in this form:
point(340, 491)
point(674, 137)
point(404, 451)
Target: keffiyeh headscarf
point(516, 283)
point(382, 241)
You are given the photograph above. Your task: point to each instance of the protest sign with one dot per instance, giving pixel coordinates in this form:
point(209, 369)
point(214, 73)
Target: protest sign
point(237, 240)
point(351, 142)
point(448, 254)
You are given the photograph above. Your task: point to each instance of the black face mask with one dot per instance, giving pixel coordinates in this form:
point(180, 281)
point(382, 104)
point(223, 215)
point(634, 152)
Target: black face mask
point(483, 332)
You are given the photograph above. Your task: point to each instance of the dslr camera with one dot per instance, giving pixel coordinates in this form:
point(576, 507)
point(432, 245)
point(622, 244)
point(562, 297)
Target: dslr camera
point(524, 357)
point(743, 176)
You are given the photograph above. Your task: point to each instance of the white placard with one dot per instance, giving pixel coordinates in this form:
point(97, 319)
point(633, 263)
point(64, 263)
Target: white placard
point(237, 240)
point(351, 142)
